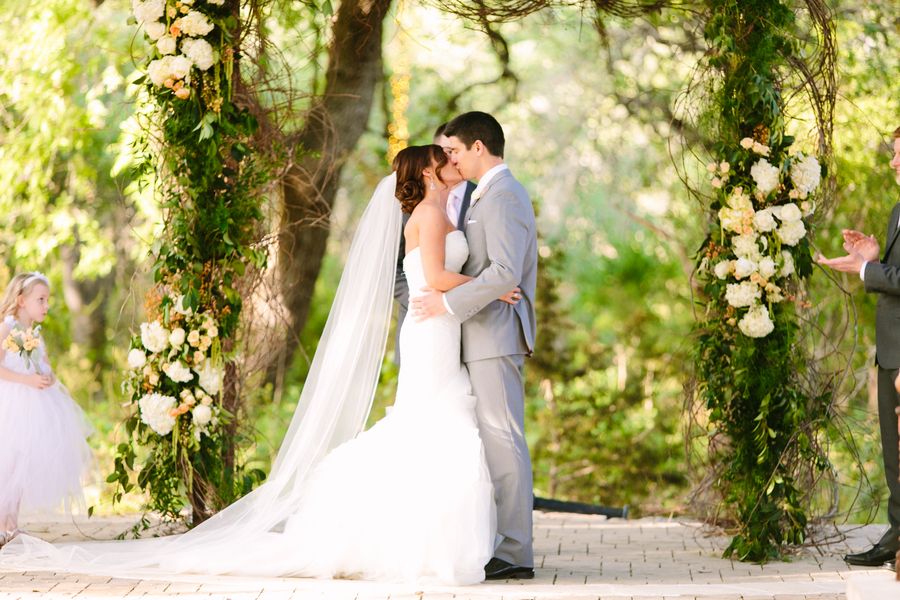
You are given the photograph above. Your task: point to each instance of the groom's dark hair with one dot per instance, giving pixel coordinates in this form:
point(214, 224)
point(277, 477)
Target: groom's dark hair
point(477, 125)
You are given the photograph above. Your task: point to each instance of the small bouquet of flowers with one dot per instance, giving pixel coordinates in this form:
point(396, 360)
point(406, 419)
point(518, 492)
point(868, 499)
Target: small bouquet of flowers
point(24, 342)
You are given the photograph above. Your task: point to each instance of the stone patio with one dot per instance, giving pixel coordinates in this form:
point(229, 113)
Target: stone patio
point(577, 557)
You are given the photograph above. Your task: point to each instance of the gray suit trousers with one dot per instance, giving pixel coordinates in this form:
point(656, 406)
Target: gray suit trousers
point(888, 400)
point(498, 385)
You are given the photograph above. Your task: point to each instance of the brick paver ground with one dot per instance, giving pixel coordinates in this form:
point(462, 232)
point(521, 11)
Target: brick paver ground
point(577, 558)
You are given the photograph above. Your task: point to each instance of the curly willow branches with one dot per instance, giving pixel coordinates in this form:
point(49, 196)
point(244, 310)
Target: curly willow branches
point(512, 10)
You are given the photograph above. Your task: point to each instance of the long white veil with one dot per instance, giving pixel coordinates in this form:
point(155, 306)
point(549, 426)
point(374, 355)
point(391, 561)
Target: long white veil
point(332, 409)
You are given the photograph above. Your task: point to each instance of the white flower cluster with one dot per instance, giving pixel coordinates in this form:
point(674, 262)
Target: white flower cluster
point(172, 24)
point(184, 358)
point(756, 258)
point(806, 174)
point(156, 412)
point(766, 176)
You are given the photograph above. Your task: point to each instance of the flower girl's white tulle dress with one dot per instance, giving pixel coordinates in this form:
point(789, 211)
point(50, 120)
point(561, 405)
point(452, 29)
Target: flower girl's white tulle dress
point(43, 453)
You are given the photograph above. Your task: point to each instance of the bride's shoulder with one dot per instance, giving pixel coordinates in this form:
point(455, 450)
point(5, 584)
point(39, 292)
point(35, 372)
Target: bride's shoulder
point(425, 211)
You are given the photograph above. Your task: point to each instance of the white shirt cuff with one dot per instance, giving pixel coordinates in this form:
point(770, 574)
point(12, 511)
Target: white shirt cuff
point(446, 304)
point(862, 271)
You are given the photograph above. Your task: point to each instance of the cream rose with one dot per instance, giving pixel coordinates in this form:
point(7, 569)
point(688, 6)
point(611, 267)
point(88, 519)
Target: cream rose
point(136, 358)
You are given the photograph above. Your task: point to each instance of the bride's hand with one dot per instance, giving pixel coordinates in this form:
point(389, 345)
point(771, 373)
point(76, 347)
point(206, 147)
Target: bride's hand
point(513, 297)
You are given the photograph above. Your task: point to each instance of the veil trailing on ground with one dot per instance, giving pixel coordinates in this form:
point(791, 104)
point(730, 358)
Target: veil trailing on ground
point(332, 409)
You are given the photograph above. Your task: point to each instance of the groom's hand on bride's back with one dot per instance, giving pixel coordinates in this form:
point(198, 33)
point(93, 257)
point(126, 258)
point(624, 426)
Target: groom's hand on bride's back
point(429, 304)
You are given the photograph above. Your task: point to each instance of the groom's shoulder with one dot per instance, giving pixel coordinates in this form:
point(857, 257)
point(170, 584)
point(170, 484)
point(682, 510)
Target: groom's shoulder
point(507, 183)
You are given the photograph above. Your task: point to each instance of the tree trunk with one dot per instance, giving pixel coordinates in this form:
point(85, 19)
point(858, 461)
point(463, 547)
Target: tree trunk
point(86, 301)
point(333, 127)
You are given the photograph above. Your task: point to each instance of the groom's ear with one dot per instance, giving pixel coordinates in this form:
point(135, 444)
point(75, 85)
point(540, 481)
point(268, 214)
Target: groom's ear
point(478, 147)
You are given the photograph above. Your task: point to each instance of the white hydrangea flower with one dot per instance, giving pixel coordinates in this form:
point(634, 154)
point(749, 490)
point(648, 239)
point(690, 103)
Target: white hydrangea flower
point(176, 338)
point(790, 212)
point(787, 264)
point(210, 378)
point(742, 294)
point(155, 412)
point(200, 52)
point(195, 24)
point(181, 66)
point(731, 220)
point(767, 267)
point(201, 415)
point(791, 232)
point(136, 358)
point(168, 67)
point(155, 30)
point(756, 323)
point(154, 336)
point(764, 220)
point(148, 11)
point(723, 269)
point(806, 174)
point(765, 175)
point(739, 200)
point(746, 246)
point(177, 372)
point(744, 268)
point(166, 44)
point(747, 143)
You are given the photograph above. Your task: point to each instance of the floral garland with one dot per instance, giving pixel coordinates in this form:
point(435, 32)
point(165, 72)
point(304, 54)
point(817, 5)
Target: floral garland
point(176, 371)
point(181, 383)
point(184, 25)
point(761, 231)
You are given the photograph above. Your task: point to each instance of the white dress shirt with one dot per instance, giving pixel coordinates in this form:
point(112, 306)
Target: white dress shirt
point(454, 201)
point(476, 196)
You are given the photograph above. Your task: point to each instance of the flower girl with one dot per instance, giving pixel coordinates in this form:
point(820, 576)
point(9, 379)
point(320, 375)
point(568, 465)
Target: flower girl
point(43, 453)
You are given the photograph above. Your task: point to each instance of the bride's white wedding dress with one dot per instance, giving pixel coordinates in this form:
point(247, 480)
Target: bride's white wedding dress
point(408, 500)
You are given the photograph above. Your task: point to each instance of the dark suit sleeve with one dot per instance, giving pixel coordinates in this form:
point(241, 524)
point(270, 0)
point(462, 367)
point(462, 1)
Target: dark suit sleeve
point(884, 277)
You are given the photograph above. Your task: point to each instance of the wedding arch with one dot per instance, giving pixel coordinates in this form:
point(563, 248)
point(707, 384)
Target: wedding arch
point(209, 153)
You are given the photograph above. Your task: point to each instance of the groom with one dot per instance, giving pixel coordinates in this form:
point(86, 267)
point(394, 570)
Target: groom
point(496, 336)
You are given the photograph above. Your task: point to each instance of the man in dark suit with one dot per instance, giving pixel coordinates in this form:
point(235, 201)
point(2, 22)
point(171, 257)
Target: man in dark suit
point(883, 278)
point(457, 205)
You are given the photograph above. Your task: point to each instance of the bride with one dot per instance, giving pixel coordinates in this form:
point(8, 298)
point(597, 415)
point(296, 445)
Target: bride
point(408, 500)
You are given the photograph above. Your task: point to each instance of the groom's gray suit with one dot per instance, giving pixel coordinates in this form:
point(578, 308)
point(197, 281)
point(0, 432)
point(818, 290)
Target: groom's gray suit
point(496, 337)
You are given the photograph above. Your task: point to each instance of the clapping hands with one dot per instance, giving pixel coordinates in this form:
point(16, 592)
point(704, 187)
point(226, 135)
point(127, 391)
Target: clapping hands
point(860, 248)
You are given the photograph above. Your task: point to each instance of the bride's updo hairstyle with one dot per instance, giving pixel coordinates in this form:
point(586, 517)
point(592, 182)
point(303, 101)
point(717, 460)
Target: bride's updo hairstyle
point(409, 164)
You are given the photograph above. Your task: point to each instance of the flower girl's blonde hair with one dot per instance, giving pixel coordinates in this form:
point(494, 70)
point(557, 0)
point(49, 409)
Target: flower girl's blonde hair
point(21, 284)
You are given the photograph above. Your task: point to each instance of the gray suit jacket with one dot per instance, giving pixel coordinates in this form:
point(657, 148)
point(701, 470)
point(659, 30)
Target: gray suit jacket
point(884, 278)
point(502, 236)
point(401, 288)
